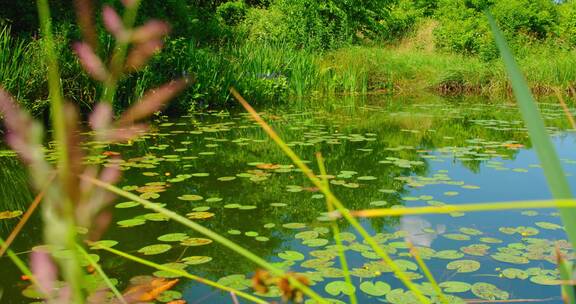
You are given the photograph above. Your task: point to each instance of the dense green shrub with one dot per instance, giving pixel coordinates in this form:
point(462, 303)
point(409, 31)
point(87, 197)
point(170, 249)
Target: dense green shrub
point(231, 13)
point(402, 17)
point(463, 27)
point(567, 22)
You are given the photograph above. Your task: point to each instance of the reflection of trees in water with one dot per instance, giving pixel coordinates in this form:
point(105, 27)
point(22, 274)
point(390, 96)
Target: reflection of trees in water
point(410, 127)
point(301, 207)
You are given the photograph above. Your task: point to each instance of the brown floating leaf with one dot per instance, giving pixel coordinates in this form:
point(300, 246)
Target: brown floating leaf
point(90, 61)
point(152, 101)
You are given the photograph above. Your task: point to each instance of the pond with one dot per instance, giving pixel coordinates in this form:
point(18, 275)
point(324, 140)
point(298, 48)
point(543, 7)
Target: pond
point(222, 171)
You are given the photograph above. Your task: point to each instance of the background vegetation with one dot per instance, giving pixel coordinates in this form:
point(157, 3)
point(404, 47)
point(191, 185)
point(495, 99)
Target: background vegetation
point(273, 50)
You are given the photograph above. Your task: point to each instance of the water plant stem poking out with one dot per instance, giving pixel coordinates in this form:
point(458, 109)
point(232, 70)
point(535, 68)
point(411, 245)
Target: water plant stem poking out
point(553, 171)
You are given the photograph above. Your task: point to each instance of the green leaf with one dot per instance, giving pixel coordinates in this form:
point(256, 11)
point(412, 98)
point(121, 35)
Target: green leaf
point(509, 258)
point(549, 160)
point(173, 237)
point(291, 255)
point(489, 292)
point(463, 266)
point(544, 280)
point(448, 254)
point(549, 226)
point(375, 289)
point(196, 259)
point(190, 197)
point(455, 286)
point(514, 273)
point(457, 237)
point(335, 288)
point(155, 249)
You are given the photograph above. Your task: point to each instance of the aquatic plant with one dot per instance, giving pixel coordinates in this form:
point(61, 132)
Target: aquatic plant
point(69, 203)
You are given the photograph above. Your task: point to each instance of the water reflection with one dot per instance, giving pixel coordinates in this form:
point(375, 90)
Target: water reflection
point(379, 153)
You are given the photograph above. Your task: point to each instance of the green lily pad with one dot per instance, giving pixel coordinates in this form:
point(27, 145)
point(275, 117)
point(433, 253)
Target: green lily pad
point(491, 240)
point(509, 258)
point(476, 249)
point(125, 205)
point(196, 259)
point(236, 281)
point(470, 231)
point(155, 249)
point(489, 292)
point(463, 266)
point(173, 237)
point(514, 273)
point(455, 286)
point(291, 255)
point(294, 226)
point(192, 242)
point(375, 289)
point(544, 280)
point(307, 235)
point(549, 226)
point(457, 237)
point(336, 288)
point(448, 254)
point(190, 197)
point(131, 222)
point(315, 242)
point(104, 244)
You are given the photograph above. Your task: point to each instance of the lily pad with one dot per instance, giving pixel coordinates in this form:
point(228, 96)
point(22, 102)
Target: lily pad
point(463, 266)
point(173, 237)
point(196, 259)
point(199, 215)
point(514, 273)
point(131, 222)
point(190, 197)
point(294, 226)
point(192, 242)
point(375, 289)
point(291, 255)
point(549, 226)
point(455, 286)
point(448, 254)
point(489, 292)
point(155, 249)
point(336, 288)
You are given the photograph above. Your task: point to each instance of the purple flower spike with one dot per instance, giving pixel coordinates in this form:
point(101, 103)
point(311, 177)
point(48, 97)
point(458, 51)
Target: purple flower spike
point(44, 270)
point(90, 61)
point(113, 22)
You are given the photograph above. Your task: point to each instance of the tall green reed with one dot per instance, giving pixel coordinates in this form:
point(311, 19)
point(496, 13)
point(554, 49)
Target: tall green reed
point(553, 171)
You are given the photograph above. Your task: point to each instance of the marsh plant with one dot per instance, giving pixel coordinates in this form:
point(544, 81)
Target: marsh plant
point(72, 205)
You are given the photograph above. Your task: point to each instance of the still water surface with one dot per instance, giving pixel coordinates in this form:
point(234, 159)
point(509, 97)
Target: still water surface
point(221, 170)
